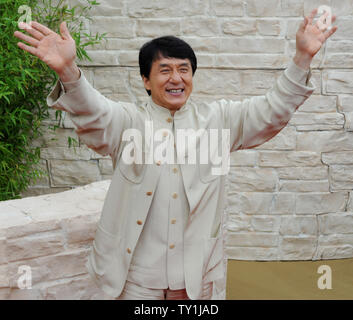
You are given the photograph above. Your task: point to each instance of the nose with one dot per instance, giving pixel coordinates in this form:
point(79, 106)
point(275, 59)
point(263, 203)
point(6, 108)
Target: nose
point(175, 77)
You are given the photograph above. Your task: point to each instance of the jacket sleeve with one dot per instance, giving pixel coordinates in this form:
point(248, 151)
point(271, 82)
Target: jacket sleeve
point(99, 122)
point(256, 120)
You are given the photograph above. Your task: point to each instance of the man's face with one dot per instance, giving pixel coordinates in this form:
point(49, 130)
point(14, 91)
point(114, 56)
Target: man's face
point(170, 82)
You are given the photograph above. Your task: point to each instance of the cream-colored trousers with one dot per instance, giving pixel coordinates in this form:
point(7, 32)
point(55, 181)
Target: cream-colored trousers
point(133, 291)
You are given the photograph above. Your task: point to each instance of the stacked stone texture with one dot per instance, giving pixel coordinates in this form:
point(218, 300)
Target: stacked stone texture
point(289, 199)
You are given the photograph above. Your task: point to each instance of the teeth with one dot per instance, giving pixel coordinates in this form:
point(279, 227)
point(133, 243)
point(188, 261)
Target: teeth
point(175, 91)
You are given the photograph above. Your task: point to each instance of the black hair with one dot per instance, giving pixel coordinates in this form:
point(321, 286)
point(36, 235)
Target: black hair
point(167, 47)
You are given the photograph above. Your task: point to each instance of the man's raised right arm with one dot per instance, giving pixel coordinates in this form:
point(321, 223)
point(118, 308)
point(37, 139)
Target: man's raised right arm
point(100, 122)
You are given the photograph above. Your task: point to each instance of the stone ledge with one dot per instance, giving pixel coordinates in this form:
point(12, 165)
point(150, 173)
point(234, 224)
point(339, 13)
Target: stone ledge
point(52, 234)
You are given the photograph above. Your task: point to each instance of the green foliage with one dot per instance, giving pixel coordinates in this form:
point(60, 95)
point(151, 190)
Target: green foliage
point(25, 82)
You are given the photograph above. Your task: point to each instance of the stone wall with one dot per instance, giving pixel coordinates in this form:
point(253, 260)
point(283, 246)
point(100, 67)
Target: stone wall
point(289, 199)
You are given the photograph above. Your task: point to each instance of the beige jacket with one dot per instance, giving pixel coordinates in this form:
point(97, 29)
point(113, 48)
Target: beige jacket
point(100, 124)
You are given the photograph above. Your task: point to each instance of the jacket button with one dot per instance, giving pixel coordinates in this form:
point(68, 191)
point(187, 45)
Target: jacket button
point(139, 222)
point(173, 221)
point(172, 246)
point(169, 120)
point(128, 250)
point(149, 193)
point(158, 163)
point(175, 170)
point(175, 195)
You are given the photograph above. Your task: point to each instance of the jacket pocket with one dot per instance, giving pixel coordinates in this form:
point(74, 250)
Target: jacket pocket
point(105, 246)
point(132, 172)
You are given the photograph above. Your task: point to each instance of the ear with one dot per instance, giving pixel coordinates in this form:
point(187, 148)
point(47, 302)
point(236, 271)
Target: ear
point(146, 83)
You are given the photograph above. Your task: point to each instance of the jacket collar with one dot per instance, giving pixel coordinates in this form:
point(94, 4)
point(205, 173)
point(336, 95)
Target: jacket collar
point(163, 113)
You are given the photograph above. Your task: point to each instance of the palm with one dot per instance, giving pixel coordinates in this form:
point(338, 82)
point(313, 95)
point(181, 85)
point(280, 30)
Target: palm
point(309, 38)
point(57, 51)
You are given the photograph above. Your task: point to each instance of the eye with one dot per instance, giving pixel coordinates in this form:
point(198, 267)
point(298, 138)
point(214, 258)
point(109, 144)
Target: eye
point(165, 70)
point(184, 70)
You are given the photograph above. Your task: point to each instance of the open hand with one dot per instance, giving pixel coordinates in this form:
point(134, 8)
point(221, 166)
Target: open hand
point(57, 51)
point(310, 37)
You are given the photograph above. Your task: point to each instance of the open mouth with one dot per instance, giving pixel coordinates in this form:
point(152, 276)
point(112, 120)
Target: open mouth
point(175, 92)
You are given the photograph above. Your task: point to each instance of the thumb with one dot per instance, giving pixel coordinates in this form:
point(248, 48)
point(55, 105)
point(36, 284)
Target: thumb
point(64, 31)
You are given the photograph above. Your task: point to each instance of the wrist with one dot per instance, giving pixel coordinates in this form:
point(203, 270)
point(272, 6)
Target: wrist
point(302, 60)
point(70, 73)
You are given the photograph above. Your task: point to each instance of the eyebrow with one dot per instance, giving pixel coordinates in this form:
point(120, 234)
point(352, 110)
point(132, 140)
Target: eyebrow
point(184, 64)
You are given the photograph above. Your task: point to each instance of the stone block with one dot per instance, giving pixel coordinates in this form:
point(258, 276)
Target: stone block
point(250, 45)
point(334, 252)
point(294, 225)
point(303, 173)
point(73, 173)
point(298, 248)
point(227, 8)
point(114, 27)
point(325, 121)
point(265, 223)
point(202, 27)
point(289, 158)
point(102, 58)
point(343, 157)
point(238, 222)
point(33, 246)
point(338, 81)
point(157, 28)
point(247, 158)
point(336, 223)
point(80, 228)
point(251, 253)
point(165, 8)
point(239, 27)
point(111, 80)
point(319, 104)
point(252, 179)
point(251, 61)
point(253, 239)
point(270, 27)
point(324, 141)
point(348, 125)
point(284, 140)
point(78, 288)
point(63, 265)
point(345, 103)
point(261, 203)
point(341, 177)
point(304, 186)
point(318, 203)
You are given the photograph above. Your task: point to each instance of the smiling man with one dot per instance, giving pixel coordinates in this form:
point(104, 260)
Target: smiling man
point(160, 234)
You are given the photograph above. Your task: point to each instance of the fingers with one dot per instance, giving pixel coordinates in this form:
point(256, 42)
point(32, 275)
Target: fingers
point(36, 34)
point(32, 41)
point(41, 28)
point(303, 24)
point(330, 32)
point(29, 49)
point(64, 31)
point(312, 16)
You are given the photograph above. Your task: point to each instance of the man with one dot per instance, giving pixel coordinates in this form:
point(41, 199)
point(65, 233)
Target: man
point(160, 234)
